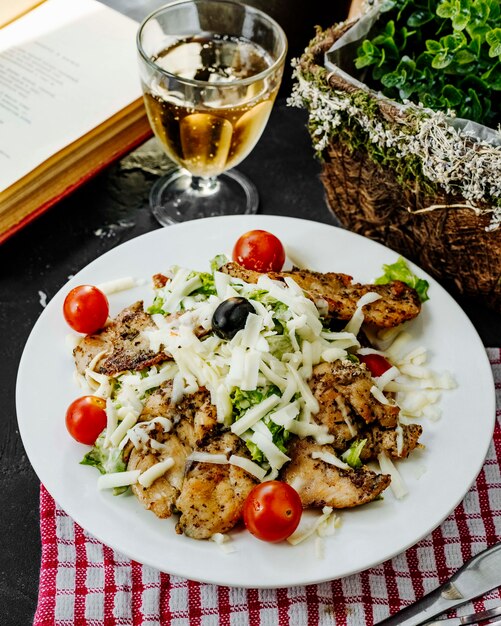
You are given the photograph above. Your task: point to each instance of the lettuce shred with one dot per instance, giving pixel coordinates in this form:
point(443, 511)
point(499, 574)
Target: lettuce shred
point(401, 271)
point(106, 460)
point(352, 455)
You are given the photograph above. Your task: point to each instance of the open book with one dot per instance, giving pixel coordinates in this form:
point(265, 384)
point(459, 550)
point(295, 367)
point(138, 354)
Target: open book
point(70, 100)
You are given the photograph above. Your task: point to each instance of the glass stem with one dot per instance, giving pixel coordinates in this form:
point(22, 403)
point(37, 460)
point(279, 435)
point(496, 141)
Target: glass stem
point(202, 186)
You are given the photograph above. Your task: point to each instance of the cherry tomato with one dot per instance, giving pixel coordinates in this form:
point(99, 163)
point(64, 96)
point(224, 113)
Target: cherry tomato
point(86, 419)
point(376, 363)
point(260, 251)
point(86, 309)
point(272, 511)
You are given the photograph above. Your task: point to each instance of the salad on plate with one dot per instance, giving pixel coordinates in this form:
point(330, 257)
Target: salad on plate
point(252, 391)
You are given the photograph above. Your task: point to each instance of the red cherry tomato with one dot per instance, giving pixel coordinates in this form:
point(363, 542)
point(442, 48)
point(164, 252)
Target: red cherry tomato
point(260, 251)
point(376, 363)
point(272, 511)
point(86, 419)
point(86, 309)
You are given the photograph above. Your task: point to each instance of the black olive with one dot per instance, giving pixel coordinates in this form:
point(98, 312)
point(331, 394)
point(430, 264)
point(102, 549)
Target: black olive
point(230, 317)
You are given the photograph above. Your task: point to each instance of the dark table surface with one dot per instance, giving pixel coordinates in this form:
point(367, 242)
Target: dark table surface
point(111, 209)
point(42, 256)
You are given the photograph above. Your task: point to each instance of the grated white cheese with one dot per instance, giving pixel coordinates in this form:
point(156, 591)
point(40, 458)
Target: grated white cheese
point(249, 466)
point(383, 380)
point(398, 486)
point(208, 457)
point(399, 439)
point(118, 479)
point(223, 542)
point(147, 478)
point(330, 459)
point(121, 430)
point(346, 417)
point(275, 456)
point(309, 528)
point(111, 421)
point(114, 286)
point(254, 414)
point(43, 299)
point(354, 325)
point(379, 395)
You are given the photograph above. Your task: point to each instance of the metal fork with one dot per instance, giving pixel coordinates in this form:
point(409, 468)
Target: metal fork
point(472, 618)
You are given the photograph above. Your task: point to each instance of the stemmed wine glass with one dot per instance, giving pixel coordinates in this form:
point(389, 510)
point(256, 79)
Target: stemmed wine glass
point(210, 72)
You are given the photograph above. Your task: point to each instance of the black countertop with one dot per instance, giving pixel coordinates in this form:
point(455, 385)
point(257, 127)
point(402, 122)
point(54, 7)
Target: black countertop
point(110, 209)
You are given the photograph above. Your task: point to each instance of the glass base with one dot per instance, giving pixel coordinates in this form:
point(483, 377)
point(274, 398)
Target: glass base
point(180, 197)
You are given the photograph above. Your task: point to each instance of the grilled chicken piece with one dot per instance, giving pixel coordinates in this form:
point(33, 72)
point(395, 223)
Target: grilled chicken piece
point(380, 440)
point(343, 389)
point(194, 413)
point(322, 484)
point(193, 419)
point(160, 497)
point(398, 302)
point(213, 496)
point(122, 343)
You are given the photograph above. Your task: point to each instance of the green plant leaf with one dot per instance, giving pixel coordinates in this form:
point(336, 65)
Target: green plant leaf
point(363, 61)
point(450, 42)
point(441, 60)
point(464, 56)
point(433, 46)
point(394, 79)
point(494, 10)
point(493, 38)
point(419, 18)
point(453, 96)
point(453, 42)
point(445, 9)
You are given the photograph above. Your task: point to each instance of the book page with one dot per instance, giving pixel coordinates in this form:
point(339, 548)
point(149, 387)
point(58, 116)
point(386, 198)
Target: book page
point(65, 67)
point(12, 9)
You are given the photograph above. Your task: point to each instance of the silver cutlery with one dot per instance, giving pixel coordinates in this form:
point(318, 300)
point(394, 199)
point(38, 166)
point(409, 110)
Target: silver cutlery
point(472, 618)
point(475, 578)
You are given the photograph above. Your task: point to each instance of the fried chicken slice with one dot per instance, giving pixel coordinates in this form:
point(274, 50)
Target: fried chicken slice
point(398, 302)
point(194, 409)
point(193, 419)
point(343, 390)
point(322, 484)
point(160, 497)
point(380, 440)
point(122, 343)
point(212, 497)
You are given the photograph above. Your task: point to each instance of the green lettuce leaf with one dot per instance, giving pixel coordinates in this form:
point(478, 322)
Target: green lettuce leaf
point(106, 460)
point(218, 261)
point(256, 454)
point(401, 271)
point(352, 455)
point(157, 306)
point(208, 287)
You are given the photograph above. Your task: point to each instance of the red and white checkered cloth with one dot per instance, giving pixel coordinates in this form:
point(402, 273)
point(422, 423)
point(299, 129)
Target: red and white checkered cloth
point(83, 581)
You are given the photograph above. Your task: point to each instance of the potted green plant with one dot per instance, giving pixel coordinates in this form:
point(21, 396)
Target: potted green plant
point(404, 110)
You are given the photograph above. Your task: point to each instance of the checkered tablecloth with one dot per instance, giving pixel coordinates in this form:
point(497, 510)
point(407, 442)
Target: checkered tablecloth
point(84, 582)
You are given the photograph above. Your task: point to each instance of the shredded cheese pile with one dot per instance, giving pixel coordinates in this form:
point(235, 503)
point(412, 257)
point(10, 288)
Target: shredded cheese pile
point(274, 354)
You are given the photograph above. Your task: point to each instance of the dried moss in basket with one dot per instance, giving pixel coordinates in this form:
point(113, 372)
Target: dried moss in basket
point(446, 55)
point(425, 149)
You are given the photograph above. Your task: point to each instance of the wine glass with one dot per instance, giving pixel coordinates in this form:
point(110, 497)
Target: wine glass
point(210, 72)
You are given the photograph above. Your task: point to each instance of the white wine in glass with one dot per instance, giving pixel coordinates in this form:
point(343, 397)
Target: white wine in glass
point(210, 71)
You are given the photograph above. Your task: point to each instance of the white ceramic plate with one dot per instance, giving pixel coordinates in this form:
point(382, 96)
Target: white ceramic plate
point(456, 445)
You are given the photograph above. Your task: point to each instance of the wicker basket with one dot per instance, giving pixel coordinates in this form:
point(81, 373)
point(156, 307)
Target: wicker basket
point(448, 241)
